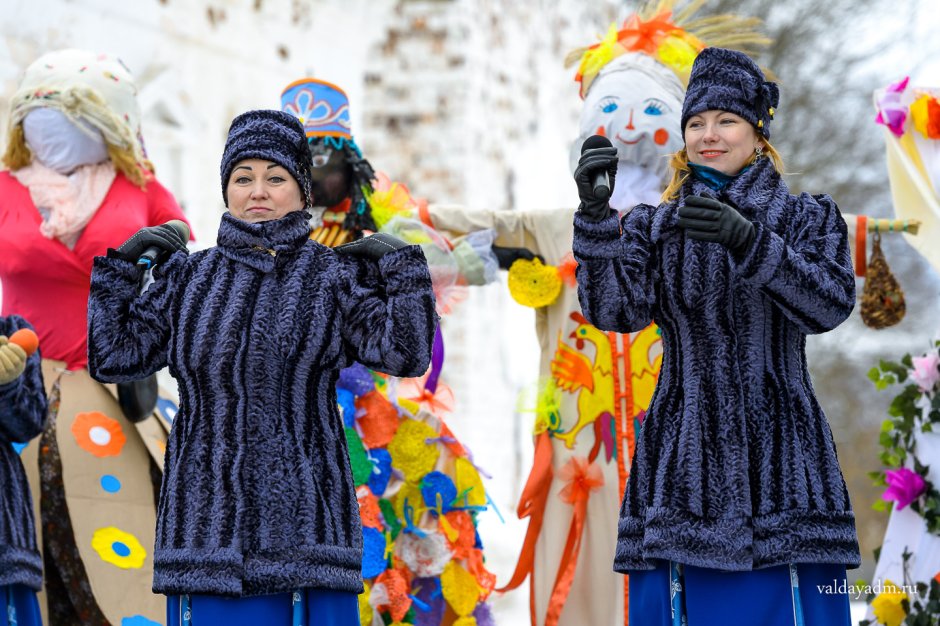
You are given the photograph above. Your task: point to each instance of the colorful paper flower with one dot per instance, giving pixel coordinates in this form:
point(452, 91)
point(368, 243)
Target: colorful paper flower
point(460, 589)
point(378, 419)
point(411, 454)
point(470, 491)
point(891, 112)
point(582, 477)
point(365, 609)
point(533, 284)
point(887, 605)
point(389, 199)
point(98, 434)
point(359, 460)
point(391, 590)
point(925, 113)
point(904, 486)
point(118, 548)
point(425, 556)
point(926, 372)
point(374, 561)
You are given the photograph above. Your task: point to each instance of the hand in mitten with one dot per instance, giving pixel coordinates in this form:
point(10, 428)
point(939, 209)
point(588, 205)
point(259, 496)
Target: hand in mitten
point(163, 237)
point(592, 160)
point(507, 256)
point(707, 219)
point(12, 361)
point(372, 247)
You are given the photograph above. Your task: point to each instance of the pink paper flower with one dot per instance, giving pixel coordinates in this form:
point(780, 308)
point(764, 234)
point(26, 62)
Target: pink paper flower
point(890, 111)
point(926, 371)
point(904, 486)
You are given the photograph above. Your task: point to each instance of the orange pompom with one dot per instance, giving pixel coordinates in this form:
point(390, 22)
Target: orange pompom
point(26, 339)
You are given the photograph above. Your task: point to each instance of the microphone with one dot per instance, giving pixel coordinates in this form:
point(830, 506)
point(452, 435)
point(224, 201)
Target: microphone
point(600, 179)
point(149, 256)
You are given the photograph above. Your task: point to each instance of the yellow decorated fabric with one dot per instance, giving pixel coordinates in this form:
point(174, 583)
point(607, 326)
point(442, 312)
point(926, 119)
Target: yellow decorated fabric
point(118, 548)
point(533, 284)
point(411, 454)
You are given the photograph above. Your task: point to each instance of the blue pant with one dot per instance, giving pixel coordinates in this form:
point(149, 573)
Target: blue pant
point(19, 606)
point(307, 607)
point(769, 597)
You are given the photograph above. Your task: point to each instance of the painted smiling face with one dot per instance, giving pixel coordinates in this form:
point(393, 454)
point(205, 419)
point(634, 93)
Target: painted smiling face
point(636, 112)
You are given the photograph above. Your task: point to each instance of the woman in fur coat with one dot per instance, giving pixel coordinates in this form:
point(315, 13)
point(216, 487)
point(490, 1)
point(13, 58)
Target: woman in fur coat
point(258, 520)
point(736, 511)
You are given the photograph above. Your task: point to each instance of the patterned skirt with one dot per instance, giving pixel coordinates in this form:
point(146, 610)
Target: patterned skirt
point(794, 595)
point(308, 607)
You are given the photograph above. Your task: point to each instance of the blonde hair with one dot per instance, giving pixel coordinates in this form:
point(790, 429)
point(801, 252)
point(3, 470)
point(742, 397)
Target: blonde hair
point(18, 155)
point(679, 163)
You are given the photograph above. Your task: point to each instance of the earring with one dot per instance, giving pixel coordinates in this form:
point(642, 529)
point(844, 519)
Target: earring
point(759, 150)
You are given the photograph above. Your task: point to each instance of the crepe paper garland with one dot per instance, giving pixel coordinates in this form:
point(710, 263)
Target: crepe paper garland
point(439, 491)
point(567, 270)
point(483, 615)
point(374, 561)
point(425, 556)
point(358, 458)
point(98, 434)
point(533, 284)
point(118, 548)
point(378, 419)
point(411, 455)
point(460, 589)
point(381, 470)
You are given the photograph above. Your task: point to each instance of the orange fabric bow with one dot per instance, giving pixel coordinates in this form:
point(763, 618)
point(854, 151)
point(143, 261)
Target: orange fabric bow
point(639, 36)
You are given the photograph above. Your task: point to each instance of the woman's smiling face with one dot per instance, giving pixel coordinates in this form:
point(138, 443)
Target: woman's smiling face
point(720, 140)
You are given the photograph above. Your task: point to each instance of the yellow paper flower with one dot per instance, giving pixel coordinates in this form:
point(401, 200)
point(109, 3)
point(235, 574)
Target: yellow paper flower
point(411, 454)
point(466, 621)
point(887, 606)
point(118, 548)
point(533, 284)
point(460, 589)
point(365, 609)
point(468, 478)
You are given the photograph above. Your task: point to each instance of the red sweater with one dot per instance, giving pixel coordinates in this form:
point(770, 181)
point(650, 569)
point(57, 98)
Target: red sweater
point(47, 283)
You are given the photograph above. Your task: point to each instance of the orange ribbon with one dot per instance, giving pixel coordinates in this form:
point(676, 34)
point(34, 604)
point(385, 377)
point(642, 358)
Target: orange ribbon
point(532, 505)
point(584, 477)
point(861, 236)
point(639, 36)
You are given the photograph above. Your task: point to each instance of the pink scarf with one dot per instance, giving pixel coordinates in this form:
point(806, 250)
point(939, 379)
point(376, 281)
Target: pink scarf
point(66, 203)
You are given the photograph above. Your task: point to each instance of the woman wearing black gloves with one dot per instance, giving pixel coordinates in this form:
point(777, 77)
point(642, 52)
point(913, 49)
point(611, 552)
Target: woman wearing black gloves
point(736, 510)
point(258, 520)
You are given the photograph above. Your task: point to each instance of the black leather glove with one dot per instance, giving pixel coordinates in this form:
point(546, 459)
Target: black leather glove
point(372, 247)
point(707, 219)
point(163, 237)
point(507, 256)
point(591, 160)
